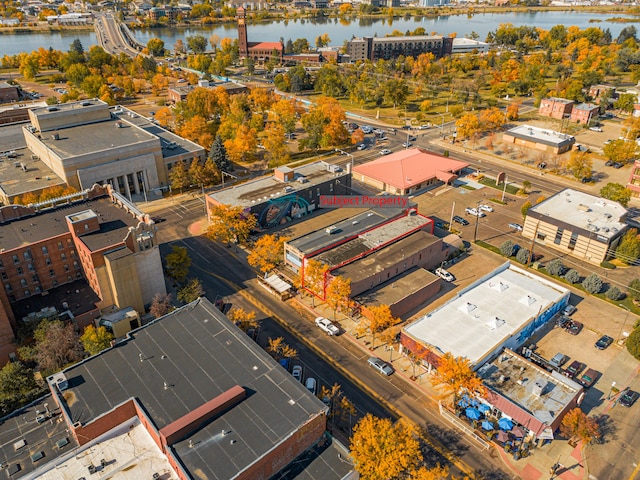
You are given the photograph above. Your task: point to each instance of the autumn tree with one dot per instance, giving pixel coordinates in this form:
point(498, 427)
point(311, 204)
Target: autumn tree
point(242, 144)
point(628, 250)
point(243, 319)
point(467, 125)
point(155, 47)
point(381, 318)
point(267, 252)
point(617, 193)
point(179, 177)
point(315, 278)
point(338, 294)
point(621, 151)
point(178, 262)
point(324, 125)
point(191, 291)
point(274, 145)
point(382, 450)
point(580, 164)
point(94, 340)
point(197, 43)
point(279, 349)
point(389, 338)
point(230, 224)
point(491, 118)
point(197, 130)
point(55, 346)
point(456, 374)
point(160, 305)
point(513, 111)
point(576, 423)
point(158, 83)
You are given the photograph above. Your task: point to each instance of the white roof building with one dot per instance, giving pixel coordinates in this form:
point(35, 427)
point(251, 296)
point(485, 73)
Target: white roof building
point(502, 309)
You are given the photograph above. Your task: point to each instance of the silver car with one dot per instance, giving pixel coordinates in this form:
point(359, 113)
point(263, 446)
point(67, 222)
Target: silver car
point(380, 365)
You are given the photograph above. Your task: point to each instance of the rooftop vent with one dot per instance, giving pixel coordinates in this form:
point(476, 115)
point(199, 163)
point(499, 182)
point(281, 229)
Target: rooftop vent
point(528, 300)
point(56, 136)
point(467, 307)
point(86, 104)
point(500, 286)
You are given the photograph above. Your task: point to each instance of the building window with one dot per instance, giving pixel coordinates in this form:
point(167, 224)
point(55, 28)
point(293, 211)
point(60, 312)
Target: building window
point(73, 253)
point(558, 238)
point(75, 265)
point(23, 282)
point(63, 256)
point(34, 279)
point(45, 250)
point(66, 268)
point(7, 287)
point(69, 278)
point(60, 246)
point(47, 261)
point(572, 242)
point(30, 267)
point(79, 275)
point(27, 293)
point(52, 273)
point(19, 270)
point(38, 289)
point(1, 264)
point(331, 187)
point(26, 255)
point(69, 241)
point(541, 236)
point(54, 283)
point(4, 276)
point(16, 260)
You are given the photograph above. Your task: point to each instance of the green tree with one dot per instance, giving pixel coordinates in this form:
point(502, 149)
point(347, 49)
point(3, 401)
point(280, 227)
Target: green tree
point(592, 284)
point(76, 47)
point(633, 343)
point(556, 267)
point(218, 154)
point(94, 340)
point(178, 263)
point(628, 250)
point(507, 248)
point(524, 210)
point(17, 386)
point(76, 73)
point(191, 291)
point(30, 66)
point(617, 193)
point(614, 293)
point(155, 47)
point(633, 290)
point(197, 43)
point(572, 276)
point(625, 102)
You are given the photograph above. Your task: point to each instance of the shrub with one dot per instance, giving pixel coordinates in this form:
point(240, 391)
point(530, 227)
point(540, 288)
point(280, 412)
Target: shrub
point(614, 293)
point(634, 289)
point(556, 267)
point(572, 276)
point(633, 343)
point(523, 256)
point(592, 284)
point(507, 249)
point(608, 265)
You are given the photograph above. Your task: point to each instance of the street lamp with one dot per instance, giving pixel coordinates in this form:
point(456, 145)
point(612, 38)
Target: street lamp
point(348, 154)
point(624, 324)
point(504, 190)
point(613, 385)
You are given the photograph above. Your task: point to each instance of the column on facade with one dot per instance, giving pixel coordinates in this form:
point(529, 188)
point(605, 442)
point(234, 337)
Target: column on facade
point(136, 182)
point(127, 192)
point(114, 182)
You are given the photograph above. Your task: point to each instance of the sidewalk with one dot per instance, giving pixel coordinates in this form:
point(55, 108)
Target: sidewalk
point(534, 467)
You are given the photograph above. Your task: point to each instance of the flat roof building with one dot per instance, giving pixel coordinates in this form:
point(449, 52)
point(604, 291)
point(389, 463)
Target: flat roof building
point(554, 107)
point(500, 310)
point(408, 171)
point(286, 195)
point(577, 223)
point(127, 151)
point(217, 405)
point(529, 395)
point(539, 139)
point(386, 48)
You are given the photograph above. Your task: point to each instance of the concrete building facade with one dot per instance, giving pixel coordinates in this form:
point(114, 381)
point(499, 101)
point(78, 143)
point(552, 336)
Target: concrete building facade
point(127, 151)
point(540, 139)
point(386, 48)
point(576, 223)
point(8, 93)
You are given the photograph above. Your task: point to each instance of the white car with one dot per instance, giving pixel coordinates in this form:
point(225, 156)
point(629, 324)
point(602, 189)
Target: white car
point(362, 146)
point(445, 275)
point(516, 226)
point(327, 326)
point(473, 211)
point(569, 310)
point(386, 151)
point(424, 127)
point(296, 371)
point(596, 129)
point(366, 129)
point(486, 208)
point(311, 385)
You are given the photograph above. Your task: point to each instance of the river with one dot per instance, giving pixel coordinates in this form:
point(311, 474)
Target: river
point(338, 30)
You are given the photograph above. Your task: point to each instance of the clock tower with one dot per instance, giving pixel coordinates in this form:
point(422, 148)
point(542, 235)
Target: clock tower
point(243, 46)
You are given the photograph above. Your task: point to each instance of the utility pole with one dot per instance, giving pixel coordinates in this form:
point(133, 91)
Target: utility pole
point(533, 241)
point(453, 207)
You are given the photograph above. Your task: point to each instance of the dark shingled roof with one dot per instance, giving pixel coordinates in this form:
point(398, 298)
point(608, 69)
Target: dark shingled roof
point(183, 360)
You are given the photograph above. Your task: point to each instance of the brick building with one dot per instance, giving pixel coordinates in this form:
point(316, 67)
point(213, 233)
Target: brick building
point(554, 107)
point(8, 93)
point(260, 52)
point(214, 402)
point(584, 113)
point(95, 236)
point(376, 48)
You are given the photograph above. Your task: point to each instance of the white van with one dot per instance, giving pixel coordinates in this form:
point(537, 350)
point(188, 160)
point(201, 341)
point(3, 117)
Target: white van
point(311, 385)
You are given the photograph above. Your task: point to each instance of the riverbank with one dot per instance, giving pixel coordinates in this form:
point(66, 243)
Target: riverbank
point(44, 28)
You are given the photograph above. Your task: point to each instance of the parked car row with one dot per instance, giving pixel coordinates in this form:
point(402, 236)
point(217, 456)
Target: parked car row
point(297, 373)
point(586, 378)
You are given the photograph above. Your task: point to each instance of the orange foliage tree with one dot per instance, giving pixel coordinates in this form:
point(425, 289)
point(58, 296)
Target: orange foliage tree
point(576, 424)
point(338, 294)
point(314, 278)
point(267, 252)
point(455, 375)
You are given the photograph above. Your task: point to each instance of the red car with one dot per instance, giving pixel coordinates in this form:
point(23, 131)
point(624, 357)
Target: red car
point(574, 369)
point(574, 328)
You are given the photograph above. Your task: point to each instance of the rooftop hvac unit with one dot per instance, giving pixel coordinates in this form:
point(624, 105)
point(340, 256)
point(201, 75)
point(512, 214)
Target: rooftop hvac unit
point(56, 136)
point(118, 125)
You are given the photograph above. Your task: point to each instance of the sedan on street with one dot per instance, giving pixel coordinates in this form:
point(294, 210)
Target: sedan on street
point(327, 326)
point(380, 365)
point(460, 220)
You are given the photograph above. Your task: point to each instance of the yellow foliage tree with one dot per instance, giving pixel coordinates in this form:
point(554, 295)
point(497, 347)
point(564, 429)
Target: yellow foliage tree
point(314, 278)
point(197, 130)
point(243, 143)
point(94, 340)
point(580, 164)
point(279, 349)
point(467, 125)
point(513, 111)
point(275, 147)
point(456, 374)
point(576, 424)
point(338, 294)
point(243, 319)
point(491, 118)
point(267, 252)
point(230, 224)
point(381, 319)
point(382, 450)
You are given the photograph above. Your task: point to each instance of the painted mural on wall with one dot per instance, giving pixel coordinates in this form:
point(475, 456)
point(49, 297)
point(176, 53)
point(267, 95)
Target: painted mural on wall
point(281, 210)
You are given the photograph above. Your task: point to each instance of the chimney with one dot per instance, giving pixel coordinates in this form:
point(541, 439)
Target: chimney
point(284, 174)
